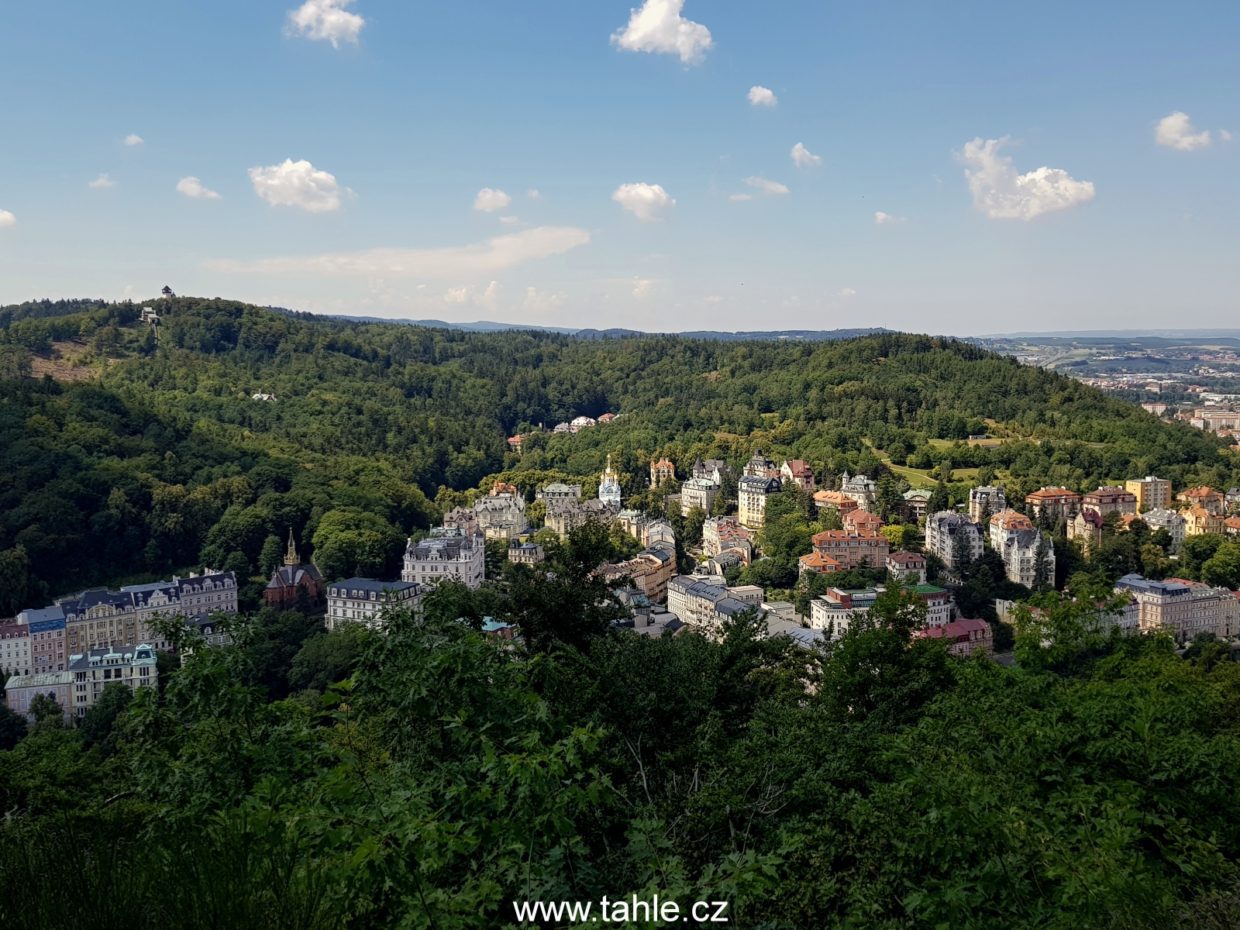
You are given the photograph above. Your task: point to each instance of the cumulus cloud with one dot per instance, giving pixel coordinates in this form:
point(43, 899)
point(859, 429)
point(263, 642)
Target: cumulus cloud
point(7, 219)
point(1176, 132)
point(848, 292)
point(658, 27)
point(537, 301)
point(647, 202)
point(297, 184)
point(804, 158)
point(195, 189)
point(510, 220)
point(886, 219)
point(325, 21)
point(489, 200)
point(467, 261)
point(101, 183)
point(1225, 135)
point(485, 298)
point(760, 96)
point(766, 186)
point(642, 287)
point(1002, 194)
point(134, 139)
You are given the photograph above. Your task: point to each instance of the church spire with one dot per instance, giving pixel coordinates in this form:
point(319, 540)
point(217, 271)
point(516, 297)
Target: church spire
point(291, 557)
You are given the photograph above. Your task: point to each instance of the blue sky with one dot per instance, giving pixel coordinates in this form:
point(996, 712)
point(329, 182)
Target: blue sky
point(346, 145)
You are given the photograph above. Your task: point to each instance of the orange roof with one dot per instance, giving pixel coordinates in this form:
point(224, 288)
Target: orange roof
point(662, 463)
point(817, 562)
point(1200, 512)
point(1200, 491)
point(503, 487)
point(1011, 520)
point(862, 520)
point(1232, 523)
point(835, 499)
point(1052, 494)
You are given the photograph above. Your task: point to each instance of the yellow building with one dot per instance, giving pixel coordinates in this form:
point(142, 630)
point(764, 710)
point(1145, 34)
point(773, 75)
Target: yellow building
point(1151, 493)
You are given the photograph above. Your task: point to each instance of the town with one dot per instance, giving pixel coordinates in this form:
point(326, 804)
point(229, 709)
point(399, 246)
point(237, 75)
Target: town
point(698, 564)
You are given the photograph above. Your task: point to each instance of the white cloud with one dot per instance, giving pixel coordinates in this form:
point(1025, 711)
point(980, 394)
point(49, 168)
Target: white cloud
point(886, 219)
point(297, 184)
point(134, 139)
point(7, 219)
point(468, 295)
point(760, 96)
point(497, 254)
point(848, 292)
point(537, 301)
point(647, 202)
point(101, 183)
point(510, 220)
point(1002, 194)
point(1225, 135)
point(642, 287)
point(768, 187)
point(804, 158)
point(534, 193)
point(1176, 132)
point(489, 200)
point(658, 27)
point(325, 21)
point(195, 189)
point(740, 198)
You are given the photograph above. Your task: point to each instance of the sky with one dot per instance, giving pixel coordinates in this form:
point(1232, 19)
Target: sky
point(949, 167)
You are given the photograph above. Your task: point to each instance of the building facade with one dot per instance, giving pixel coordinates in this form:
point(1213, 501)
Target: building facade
point(1151, 493)
point(698, 492)
point(294, 584)
point(705, 603)
point(985, 502)
point(445, 555)
point(15, 650)
point(1053, 504)
point(752, 492)
point(133, 667)
point(364, 600)
point(1110, 500)
point(1182, 608)
point(852, 550)
point(954, 538)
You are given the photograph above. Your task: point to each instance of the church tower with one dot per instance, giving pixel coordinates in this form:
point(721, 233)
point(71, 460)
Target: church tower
point(609, 486)
point(291, 556)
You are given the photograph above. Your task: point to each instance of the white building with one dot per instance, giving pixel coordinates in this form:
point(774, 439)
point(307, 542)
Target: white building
point(834, 612)
point(1162, 519)
point(445, 555)
point(942, 531)
point(131, 666)
point(752, 493)
point(705, 603)
point(698, 492)
point(1182, 608)
point(363, 600)
point(15, 656)
point(609, 486)
point(860, 488)
point(1020, 557)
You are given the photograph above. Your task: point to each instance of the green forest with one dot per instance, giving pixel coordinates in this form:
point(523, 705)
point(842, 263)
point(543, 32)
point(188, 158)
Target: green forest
point(429, 776)
point(132, 451)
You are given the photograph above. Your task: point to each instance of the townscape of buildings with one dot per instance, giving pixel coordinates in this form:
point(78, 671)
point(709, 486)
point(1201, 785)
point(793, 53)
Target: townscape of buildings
point(74, 647)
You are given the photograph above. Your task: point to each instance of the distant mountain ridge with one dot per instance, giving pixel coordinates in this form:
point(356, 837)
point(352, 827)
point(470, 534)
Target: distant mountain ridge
point(490, 326)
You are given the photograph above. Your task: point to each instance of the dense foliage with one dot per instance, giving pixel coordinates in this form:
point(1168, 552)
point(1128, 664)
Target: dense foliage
point(882, 785)
point(160, 460)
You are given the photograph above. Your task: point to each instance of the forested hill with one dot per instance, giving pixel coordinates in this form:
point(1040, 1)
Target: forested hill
point(127, 452)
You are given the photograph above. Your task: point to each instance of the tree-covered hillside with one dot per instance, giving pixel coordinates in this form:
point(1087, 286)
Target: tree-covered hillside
point(128, 455)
